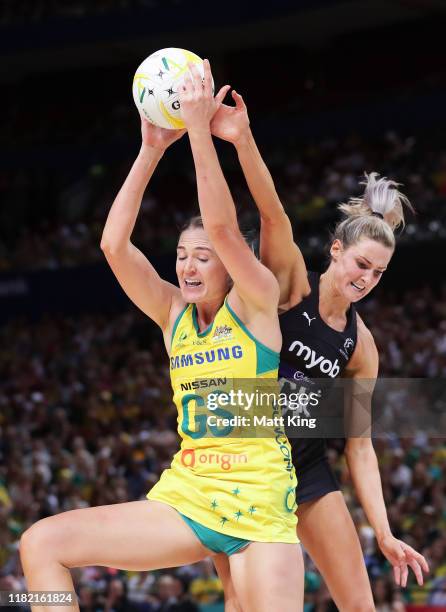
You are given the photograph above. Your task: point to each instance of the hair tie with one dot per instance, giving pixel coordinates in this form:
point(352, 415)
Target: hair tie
point(377, 214)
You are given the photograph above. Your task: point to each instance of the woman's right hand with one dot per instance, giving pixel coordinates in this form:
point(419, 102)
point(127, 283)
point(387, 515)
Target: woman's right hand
point(158, 138)
point(231, 123)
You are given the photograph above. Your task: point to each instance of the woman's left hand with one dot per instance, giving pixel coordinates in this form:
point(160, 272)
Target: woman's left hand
point(197, 101)
point(402, 556)
point(158, 138)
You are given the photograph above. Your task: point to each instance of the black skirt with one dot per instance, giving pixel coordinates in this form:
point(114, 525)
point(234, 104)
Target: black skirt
point(315, 477)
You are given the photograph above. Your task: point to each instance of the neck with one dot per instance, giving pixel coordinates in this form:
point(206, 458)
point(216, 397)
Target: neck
point(331, 302)
point(206, 312)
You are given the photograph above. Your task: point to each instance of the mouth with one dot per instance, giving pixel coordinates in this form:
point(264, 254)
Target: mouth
point(357, 287)
point(192, 283)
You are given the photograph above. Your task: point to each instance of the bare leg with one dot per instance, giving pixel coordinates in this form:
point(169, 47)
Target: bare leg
point(142, 535)
point(327, 532)
point(268, 576)
point(221, 562)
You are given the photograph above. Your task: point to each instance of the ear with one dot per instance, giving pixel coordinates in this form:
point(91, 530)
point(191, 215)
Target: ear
point(336, 249)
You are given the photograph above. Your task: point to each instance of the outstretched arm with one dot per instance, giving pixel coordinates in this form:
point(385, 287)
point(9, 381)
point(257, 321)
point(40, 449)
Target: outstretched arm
point(363, 463)
point(135, 273)
point(252, 281)
point(278, 250)
point(364, 470)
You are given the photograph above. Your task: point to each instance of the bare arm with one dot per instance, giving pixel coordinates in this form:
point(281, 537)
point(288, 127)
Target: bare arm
point(252, 281)
point(278, 250)
point(135, 273)
point(363, 463)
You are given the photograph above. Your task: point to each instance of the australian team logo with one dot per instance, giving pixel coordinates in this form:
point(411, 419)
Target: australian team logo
point(222, 332)
point(181, 338)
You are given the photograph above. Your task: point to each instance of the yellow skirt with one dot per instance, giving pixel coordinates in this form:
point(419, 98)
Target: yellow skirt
point(244, 488)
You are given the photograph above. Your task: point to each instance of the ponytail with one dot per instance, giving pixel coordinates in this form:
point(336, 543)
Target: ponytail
point(375, 215)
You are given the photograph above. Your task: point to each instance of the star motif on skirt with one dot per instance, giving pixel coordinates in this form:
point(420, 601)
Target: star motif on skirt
point(252, 509)
point(223, 520)
point(150, 92)
point(238, 514)
point(236, 491)
point(170, 91)
point(160, 74)
point(214, 504)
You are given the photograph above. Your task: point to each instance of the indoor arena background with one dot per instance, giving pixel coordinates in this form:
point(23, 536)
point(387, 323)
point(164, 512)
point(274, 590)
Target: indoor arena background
point(333, 89)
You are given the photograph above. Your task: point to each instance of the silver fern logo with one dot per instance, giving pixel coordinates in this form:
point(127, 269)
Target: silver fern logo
point(348, 344)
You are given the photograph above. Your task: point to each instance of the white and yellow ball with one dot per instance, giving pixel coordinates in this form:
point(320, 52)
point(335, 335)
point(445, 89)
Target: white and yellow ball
point(156, 86)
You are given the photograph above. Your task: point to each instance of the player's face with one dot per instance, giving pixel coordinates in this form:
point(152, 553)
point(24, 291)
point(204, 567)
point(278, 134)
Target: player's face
point(359, 268)
point(201, 274)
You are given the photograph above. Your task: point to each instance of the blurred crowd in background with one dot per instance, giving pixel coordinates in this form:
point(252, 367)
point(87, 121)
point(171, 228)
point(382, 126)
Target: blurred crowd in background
point(87, 419)
point(54, 220)
point(86, 415)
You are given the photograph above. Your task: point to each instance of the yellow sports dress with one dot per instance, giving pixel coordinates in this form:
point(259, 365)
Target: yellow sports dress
point(239, 486)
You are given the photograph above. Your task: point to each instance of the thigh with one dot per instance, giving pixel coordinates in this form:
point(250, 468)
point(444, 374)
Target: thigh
point(221, 562)
point(327, 532)
point(141, 535)
point(268, 576)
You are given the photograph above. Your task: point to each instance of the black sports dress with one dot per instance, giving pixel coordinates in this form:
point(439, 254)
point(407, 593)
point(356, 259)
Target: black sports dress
point(313, 350)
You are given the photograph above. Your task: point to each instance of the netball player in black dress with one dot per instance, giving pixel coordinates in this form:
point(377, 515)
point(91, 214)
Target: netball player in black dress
point(324, 337)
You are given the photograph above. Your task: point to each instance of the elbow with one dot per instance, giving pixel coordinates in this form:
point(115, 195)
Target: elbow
point(274, 217)
point(106, 246)
point(110, 248)
point(221, 233)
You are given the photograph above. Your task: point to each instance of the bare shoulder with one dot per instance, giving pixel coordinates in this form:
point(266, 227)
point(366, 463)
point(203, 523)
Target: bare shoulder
point(365, 359)
point(365, 336)
point(262, 323)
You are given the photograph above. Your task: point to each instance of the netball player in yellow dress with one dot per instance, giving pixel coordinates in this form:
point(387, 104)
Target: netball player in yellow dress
point(217, 325)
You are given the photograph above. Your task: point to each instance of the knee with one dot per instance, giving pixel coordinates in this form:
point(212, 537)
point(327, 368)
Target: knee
point(360, 605)
point(36, 541)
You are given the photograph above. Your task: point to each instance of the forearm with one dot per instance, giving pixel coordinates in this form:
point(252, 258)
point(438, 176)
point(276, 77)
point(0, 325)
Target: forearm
point(124, 211)
point(216, 203)
point(364, 470)
point(259, 179)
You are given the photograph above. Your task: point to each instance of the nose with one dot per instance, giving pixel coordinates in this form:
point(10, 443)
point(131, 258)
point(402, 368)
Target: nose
point(367, 277)
point(189, 265)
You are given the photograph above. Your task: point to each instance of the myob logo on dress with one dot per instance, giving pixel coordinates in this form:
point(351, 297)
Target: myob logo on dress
point(312, 360)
